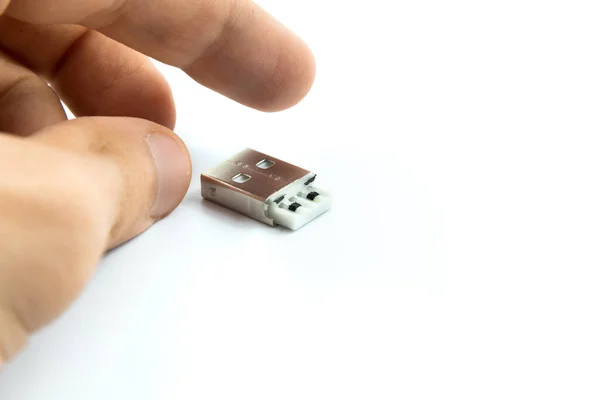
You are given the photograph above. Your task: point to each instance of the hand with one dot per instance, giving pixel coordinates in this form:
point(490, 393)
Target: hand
point(70, 190)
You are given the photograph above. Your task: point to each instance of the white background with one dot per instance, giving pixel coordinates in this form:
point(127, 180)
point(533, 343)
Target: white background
point(460, 260)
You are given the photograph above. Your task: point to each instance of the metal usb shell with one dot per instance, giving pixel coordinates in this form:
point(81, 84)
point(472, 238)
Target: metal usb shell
point(267, 189)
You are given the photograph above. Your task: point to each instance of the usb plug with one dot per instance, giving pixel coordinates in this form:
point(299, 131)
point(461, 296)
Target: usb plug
point(267, 189)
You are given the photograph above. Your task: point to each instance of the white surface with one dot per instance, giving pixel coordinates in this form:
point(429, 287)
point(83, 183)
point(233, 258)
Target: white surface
point(460, 260)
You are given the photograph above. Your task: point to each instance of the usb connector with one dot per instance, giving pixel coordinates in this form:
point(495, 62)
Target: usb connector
point(267, 189)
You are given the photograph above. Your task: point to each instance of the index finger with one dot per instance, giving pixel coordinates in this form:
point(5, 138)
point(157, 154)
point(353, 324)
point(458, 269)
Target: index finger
point(231, 46)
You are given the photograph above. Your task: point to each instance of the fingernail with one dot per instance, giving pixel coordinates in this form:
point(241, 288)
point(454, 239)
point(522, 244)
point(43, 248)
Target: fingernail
point(173, 172)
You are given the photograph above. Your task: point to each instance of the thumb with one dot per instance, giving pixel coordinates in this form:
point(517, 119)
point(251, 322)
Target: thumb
point(145, 169)
point(69, 193)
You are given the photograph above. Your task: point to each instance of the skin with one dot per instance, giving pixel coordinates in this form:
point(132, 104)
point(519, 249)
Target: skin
point(71, 190)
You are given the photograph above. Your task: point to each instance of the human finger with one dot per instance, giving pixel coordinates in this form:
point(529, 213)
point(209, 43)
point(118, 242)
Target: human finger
point(232, 46)
point(27, 104)
point(76, 189)
point(93, 74)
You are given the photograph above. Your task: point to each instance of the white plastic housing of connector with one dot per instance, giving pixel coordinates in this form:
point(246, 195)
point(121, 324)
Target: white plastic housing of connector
point(298, 193)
